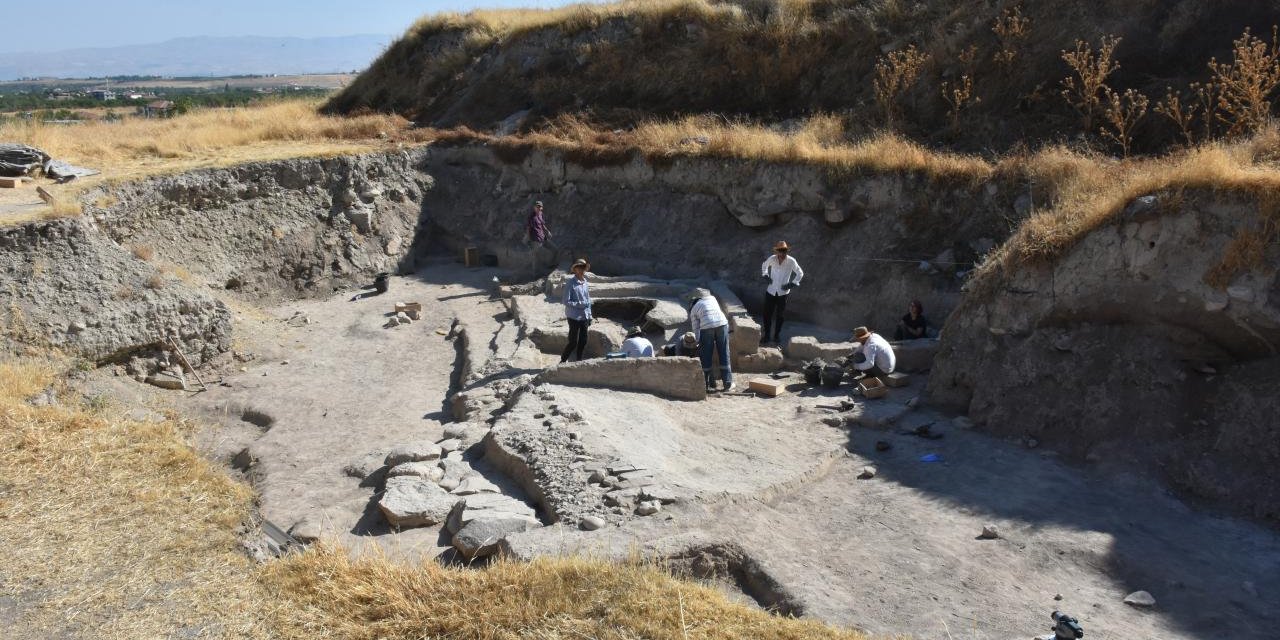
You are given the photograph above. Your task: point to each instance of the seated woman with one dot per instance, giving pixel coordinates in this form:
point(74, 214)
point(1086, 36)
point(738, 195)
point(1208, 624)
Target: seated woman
point(913, 326)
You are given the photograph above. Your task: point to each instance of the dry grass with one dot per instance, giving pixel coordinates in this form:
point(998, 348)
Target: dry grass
point(372, 598)
point(204, 138)
point(143, 252)
point(1078, 193)
point(114, 528)
point(819, 140)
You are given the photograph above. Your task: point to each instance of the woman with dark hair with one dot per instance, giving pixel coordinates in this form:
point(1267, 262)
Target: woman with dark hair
point(577, 310)
point(913, 326)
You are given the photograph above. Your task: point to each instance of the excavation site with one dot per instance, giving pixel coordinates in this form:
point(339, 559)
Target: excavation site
point(459, 359)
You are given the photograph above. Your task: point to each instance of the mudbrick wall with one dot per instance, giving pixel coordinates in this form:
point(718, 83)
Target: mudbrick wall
point(1120, 352)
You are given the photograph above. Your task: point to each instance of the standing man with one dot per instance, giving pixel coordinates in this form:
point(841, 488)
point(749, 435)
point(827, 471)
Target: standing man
point(783, 274)
point(708, 322)
point(538, 237)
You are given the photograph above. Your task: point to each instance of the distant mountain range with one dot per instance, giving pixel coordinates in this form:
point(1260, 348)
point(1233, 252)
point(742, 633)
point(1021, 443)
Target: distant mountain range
point(201, 56)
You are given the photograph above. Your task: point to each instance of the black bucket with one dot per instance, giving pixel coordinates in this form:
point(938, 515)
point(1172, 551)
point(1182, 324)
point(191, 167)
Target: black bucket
point(380, 281)
point(832, 375)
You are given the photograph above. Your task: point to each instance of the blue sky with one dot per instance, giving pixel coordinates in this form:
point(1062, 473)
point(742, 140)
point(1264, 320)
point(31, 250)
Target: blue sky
point(107, 23)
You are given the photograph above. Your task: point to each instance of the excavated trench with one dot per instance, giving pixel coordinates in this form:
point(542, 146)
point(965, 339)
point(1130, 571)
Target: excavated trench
point(250, 273)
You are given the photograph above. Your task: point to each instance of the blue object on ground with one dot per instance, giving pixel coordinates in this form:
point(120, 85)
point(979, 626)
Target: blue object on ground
point(931, 457)
point(615, 355)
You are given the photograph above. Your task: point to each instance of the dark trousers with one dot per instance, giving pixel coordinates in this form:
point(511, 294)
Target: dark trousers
point(774, 308)
point(577, 339)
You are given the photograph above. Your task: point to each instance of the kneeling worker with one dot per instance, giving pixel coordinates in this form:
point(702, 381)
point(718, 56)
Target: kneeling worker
point(636, 345)
point(873, 357)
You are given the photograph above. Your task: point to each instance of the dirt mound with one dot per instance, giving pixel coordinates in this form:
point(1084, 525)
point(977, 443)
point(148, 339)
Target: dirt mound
point(773, 60)
point(1123, 341)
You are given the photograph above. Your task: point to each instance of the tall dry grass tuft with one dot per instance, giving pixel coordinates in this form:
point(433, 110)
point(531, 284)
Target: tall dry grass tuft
point(372, 597)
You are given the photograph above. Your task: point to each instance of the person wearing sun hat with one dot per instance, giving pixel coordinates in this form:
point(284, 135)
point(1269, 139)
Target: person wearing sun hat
point(636, 345)
point(538, 238)
point(709, 323)
point(782, 273)
point(873, 357)
point(577, 309)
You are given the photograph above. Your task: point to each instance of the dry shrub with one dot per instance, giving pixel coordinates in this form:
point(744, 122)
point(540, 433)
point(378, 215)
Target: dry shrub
point(372, 597)
point(958, 96)
point(1121, 113)
point(1085, 90)
point(143, 252)
point(1244, 86)
point(155, 282)
point(1011, 29)
point(896, 73)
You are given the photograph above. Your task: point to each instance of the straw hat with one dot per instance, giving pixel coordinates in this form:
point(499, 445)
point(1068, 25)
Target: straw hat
point(861, 333)
point(698, 294)
point(581, 262)
point(781, 246)
point(689, 338)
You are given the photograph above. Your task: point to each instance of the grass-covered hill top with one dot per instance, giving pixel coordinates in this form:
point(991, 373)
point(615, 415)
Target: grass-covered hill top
point(972, 75)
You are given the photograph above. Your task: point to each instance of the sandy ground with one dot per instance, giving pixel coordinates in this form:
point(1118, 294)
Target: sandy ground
point(894, 554)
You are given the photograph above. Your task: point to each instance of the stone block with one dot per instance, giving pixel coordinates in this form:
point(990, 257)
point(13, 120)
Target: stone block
point(412, 501)
point(768, 387)
point(897, 379)
point(915, 355)
point(763, 360)
point(677, 378)
point(807, 348)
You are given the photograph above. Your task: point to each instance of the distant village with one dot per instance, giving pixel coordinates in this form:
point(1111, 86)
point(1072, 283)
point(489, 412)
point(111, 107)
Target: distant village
point(73, 102)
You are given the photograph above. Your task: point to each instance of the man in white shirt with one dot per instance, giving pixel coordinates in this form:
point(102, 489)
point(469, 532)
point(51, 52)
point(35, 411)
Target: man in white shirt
point(783, 274)
point(711, 326)
point(636, 345)
point(873, 357)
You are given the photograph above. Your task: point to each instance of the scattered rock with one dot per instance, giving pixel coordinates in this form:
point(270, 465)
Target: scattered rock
point(480, 538)
point(1140, 599)
point(449, 484)
point(597, 476)
point(413, 453)
point(166, 380)
point(450, 445)
point(411, 501)
point(365, 466)
point(305, 530)
point(428, 469)
point(483, 506)
point(591, 523)
point(660, 494)
point(649, 508)
point(867, 473)
point(474, 484)
point(403, 318)
point(1057, 596)
point(990, 532)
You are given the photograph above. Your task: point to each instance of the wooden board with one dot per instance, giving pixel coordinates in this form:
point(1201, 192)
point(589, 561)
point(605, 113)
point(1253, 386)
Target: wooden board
point(471, 256)
point(10, 183)
point(771, 388)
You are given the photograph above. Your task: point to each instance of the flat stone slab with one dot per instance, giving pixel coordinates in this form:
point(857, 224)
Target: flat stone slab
point(416, 452)
point(488, 506)
point(677, 378)
point(481, 537)
point(429, 469)
point(412, 501)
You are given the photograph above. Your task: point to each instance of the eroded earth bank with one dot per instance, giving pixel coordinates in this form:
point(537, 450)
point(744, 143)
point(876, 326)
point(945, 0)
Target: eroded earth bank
point(1110, 412)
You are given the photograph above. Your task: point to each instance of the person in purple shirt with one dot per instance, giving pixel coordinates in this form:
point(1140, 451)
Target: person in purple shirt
point(538, 238)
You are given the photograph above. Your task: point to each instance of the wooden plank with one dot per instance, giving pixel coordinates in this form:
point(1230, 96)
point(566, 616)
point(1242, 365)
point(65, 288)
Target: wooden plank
point(771, 388)
point(10, 183)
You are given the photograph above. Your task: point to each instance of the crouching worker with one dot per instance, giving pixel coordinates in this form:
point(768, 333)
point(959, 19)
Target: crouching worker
point(636, 345)
point(873, 357)
point(685, 346)
point(712, 328)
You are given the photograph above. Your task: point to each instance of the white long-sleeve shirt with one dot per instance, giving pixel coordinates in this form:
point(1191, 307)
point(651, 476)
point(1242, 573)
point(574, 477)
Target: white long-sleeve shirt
point(706, 314)
point(879, 354)
point(781, 274)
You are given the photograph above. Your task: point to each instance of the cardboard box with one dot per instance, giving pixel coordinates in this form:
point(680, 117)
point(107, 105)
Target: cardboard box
point(872, 388)
point(897, 379)
point(471, 256)
point(10, 183)
point(767, 387)
point(406, 307)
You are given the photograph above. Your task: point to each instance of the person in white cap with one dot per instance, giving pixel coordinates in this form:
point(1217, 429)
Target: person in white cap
point(782, 273)
point(712, 328)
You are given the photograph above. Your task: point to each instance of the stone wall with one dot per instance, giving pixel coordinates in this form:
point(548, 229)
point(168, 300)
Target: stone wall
point(676, 378)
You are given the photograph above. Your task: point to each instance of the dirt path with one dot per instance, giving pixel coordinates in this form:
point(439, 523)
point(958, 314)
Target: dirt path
point(342, 388)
